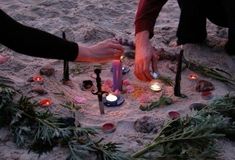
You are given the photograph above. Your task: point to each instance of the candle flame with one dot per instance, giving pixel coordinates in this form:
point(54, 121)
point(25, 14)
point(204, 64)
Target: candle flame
point(111, 97)
point(156, 87)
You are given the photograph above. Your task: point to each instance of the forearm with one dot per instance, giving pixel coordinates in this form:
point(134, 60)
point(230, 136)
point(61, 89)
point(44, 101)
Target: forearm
point(147, 12)
point(34, 42)
point(142, 38)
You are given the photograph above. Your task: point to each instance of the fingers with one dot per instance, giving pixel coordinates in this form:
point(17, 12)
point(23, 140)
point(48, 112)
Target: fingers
point(117, 47)
point(142, 71)
point(154, 60)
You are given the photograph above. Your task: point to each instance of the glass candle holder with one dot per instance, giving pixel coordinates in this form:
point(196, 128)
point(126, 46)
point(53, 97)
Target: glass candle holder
point(155, 86)
point(112, 100)
point(45, 102)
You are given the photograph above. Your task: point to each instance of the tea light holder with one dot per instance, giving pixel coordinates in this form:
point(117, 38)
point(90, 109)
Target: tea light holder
point(112, 100)
point(174, 115)
point(87, 85)
point(207, 95)
point(192, 76)
point(108, 128)
point(38, 79)
point(155, 86)
point(45, 102)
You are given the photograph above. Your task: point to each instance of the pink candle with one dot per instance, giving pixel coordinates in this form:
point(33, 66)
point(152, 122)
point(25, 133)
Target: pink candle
point(117, 75)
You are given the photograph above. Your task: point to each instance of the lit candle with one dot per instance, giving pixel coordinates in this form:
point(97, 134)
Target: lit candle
point(38, 79)
point(193, 76)
point(155, 87)
point(111, 98)
point(117, 75)
point(45, 102)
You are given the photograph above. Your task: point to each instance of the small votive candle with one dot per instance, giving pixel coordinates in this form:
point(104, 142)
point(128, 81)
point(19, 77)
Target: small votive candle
point(193, 76)
point(155, 87)
point(45, 102)
point(111, 98)
point(206, 95)
point(38, 79)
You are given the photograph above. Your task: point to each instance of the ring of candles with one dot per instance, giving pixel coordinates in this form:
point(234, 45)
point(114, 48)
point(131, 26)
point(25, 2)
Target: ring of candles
point(45, 102)
point(38, 78)
point(193, 76)
point(155, 86)
point(112, 100)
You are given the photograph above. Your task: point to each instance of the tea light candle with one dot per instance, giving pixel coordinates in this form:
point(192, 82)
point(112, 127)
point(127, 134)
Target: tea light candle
point(155, 87)
point(38, 79)
point(108, 127)
point(87, 84)
point(45, 102)
point(111, 98)
point(206, 95)
point(193, 76)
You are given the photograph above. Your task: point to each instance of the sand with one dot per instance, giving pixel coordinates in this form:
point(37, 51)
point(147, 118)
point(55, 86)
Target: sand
point(89, 21)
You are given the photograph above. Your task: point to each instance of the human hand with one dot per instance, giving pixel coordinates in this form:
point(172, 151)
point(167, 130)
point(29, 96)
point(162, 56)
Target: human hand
point(146, 57)
point(106, 50)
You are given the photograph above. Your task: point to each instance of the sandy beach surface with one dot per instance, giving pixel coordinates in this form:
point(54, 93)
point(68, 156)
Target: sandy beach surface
point(90, 21)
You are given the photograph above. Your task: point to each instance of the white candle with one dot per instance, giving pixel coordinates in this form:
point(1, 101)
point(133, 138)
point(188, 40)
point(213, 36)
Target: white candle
point(155, 87)
point(111, 98)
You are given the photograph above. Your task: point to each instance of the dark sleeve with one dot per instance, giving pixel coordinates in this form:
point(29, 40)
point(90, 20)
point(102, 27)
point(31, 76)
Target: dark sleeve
point(146, 15)
point(34, 42)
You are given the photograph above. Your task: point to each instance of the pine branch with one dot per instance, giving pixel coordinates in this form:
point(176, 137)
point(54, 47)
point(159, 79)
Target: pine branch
point(198, 132)
point(155, 104)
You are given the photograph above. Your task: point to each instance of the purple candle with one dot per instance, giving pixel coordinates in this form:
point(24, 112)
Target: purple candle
point(117, 75)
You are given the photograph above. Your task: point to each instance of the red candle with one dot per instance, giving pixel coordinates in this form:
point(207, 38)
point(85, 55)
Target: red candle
point(193, 76)
point(38, 79)
point(174, 115)
point(108, 128)
point(117, 75)
point(206, 95)
point(45, 102)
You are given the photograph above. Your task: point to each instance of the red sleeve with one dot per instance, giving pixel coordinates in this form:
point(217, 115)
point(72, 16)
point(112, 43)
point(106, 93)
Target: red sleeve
point(146, 15)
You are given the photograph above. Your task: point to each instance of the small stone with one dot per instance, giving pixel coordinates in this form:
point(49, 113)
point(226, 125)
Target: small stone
point(39, 90)
point(47, 71)
point(197, 106)
point(147, 124)
point(203, 86)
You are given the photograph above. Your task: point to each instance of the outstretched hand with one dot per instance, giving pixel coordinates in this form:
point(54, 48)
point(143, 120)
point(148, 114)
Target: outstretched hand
point(106, 50)
point(146, 58)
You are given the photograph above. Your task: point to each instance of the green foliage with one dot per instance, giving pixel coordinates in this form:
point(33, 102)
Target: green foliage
point(192, 137)
point(6, 98)
point(155, 104)
point(214, 73)
point(166, 80)
point(40, 131)
point(103, 151)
